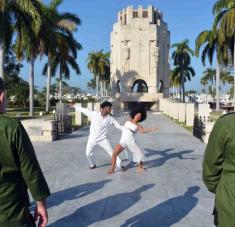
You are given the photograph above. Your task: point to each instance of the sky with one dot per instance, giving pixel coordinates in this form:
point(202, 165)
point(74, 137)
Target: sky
point(185, 19)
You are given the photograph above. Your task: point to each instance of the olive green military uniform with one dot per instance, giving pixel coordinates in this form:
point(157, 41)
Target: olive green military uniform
point(219, 169)
point(19, 170)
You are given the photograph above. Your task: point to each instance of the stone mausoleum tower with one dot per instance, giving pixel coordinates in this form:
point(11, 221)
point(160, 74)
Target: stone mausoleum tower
point(140, 43)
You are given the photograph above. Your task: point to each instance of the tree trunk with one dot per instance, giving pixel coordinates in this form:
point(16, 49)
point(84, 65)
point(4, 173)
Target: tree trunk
point(217, 86)
point(180, 91)
point(101, 89)
point(183, 87)
point(206, 93)
point(97, 87)
point(2, 59)
point(173, 91)
point(48, 86)
point(31, 88)
point(60, 92)
point(105, 90)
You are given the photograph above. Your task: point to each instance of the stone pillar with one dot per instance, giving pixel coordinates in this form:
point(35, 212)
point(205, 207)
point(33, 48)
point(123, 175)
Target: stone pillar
point(164, 102)
point(151, 14)
point(208, 128)
point(161, 105)
point(167, 108)
point(90, 106)
point(129, 14)
point(140, 11)
point(190, 111)
point(78, 116)
point(171, 109)
point(97, 106)
point(203, 111)
point(175, 107)
point(182, 111)
point(122, 106)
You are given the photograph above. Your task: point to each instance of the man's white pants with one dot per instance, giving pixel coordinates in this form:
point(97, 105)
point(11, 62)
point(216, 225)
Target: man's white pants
point(105, 144)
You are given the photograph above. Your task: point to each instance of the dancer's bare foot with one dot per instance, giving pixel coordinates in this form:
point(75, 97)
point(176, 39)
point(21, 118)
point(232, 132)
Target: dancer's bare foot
point(110, 171)
point(93, 167)
point(141, 168)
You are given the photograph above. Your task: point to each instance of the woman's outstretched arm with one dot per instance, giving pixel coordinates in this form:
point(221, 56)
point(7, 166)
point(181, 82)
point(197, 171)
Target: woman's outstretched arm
point(145, 130)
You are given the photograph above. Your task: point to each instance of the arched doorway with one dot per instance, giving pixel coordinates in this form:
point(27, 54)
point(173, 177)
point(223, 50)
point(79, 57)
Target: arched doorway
point(140, 86)
point(119, 86)
point(161, 86)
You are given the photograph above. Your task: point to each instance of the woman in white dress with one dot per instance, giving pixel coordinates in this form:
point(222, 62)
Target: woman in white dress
point(128, 140)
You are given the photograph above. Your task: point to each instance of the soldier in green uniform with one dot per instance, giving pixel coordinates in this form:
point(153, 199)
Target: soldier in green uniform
point(219, 169)
point(19, 171)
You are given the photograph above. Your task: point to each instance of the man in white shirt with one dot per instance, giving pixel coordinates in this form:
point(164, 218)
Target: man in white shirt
point(100, 124)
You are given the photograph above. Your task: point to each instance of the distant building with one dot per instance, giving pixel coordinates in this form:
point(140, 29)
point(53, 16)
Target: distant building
point(140, 68)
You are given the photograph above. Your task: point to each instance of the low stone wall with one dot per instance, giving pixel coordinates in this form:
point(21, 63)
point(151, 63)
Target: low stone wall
point(41, 129)
point(190, 114)
point(183, 112)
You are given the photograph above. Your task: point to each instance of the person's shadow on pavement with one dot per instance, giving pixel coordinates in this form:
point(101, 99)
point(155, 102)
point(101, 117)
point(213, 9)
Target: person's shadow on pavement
point(102, 209)
point(165, 157)
point(167, 213)
point(74, 192)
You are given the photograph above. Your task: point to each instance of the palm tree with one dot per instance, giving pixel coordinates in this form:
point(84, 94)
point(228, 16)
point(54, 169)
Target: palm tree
point(14, 15)
point(226, 78)
point(212, 43)
point(224, 11)
point(209, 75)
point(28, 46)
point(175, 82)
point(183, 74)
point(66, 54)
point(91, 84)
point(58, 27)
point(98, 65)
point(204, 82)
point(182, 60)
point(62, 62)
point(105, 77)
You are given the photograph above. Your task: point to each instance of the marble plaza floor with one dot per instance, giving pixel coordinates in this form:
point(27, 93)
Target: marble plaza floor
point(170, 193)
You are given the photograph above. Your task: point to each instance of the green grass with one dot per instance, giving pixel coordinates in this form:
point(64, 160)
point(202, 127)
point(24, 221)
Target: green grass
point(25, 115)
point(24, 112)
point(215, 115)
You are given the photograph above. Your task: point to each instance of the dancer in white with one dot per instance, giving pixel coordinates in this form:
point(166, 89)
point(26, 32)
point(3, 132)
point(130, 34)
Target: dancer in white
point(100, 124)
point(128, 140)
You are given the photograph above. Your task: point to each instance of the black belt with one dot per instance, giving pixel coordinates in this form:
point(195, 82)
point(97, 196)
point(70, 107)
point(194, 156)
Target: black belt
point(132, 131)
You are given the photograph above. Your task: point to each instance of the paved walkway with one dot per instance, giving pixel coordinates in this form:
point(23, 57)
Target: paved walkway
point(170, 193)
